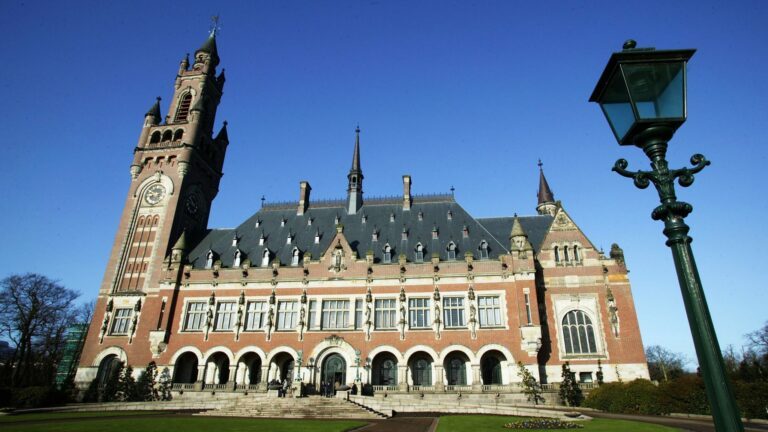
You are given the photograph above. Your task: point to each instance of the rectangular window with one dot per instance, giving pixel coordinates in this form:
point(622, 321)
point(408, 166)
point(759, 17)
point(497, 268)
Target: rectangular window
point(335, 314)
point(120, 321)
point(313, 315)
point(286, 315)
point(195, 316)
point(490, 311)
point(528, 308)
point(585, 377)
point(386, 314)
point(254, 315)
point(418, 312)
point(453, 310)
point(225, 316)
point(358, 314)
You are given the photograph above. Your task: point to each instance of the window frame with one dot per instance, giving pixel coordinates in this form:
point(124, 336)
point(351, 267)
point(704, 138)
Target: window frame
point(589, 335)
point(291, 314)
point(250, 315)
point(494, 309)
point(332, 311)
point(385, 314)
point(415, 310)
point(189, 314)
point(121, 324)
point(458, 309)
point(229, 314)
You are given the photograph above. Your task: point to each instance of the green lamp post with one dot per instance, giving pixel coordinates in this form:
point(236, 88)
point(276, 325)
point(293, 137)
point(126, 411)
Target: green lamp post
point(642, 93)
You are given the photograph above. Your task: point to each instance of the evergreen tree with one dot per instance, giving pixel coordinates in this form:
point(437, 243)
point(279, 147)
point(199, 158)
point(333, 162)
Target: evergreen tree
point(599, 373)
point(570, 392)
point(112, 384)
point(126, 386)
point(531, 387)
point(164, 385)
point(146, 386)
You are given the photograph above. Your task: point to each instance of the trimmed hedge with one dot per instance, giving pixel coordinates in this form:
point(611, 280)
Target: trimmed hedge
point(634, 397)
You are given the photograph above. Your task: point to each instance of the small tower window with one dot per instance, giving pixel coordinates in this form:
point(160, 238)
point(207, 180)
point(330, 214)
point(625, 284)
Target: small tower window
point(576, 253)
point(483, 250)
point(419, 253)
point(236, 262)
point(387, 254)
point(178, 134)
point(209, 259)
point(265, 259)
point(451, 251)
point(557, 254)
point(566, 254)
point(183, 111)
point(295, 257)
point(155, 138)
point(167, 135)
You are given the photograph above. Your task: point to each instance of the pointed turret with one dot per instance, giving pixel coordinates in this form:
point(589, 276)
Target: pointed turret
point(546, 205)
point(207, 56)
point(518, 239)
point(355, 179)
point(177, 251)
point(222, 135)
point(154, 111)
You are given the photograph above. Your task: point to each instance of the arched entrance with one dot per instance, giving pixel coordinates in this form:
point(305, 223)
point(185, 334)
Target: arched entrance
point(490, 367)
point(384, 369)
point(456, 368)
point(108, 367)
point(185, 369)
point(334, 370)
point(282, 367)
point(421, 369)
point(217, 369)
point(251, 367)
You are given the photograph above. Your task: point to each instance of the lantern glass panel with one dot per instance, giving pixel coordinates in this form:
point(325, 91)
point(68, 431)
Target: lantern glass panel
point(616, 105)
point(657, 89)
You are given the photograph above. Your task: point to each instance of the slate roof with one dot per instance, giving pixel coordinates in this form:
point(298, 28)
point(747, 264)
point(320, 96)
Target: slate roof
point(387, 217)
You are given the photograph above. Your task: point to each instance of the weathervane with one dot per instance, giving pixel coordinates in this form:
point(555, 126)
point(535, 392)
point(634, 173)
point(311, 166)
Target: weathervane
point(215, 25)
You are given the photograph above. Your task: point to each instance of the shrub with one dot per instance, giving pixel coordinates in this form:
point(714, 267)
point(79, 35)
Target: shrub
point(570, 391)
point(685, 394)
point(601, 397)
point(634, 397)
point(35, 397)
point(752, 398)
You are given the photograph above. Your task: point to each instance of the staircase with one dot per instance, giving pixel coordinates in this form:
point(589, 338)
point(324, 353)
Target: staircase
point(258, 405)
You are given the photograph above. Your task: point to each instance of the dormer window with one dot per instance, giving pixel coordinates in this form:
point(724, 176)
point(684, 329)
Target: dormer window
point(258, 223)
point(364, 218)
point(336, 220)
point(295, 257)
point(434, 233)
point(465, 231)
point(317, 237)
point(387, 254)
point(236, 262)
point(483, 250)
point(391, 217)
point(265, 259)
point(450, 215)
point(261, 239)
point(405, 234)
point(289, 239)
point(421, 215)
point(419, 253)
point(282, 222)
point(235, 240)
point(451, 251)
point(209, 259)
point(375, 235)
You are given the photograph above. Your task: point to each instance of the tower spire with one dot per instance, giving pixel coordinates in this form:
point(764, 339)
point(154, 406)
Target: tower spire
point(355, 179)
point(546, 204)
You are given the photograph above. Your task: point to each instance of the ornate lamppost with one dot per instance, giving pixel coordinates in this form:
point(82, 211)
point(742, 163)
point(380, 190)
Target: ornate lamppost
point(642, 93)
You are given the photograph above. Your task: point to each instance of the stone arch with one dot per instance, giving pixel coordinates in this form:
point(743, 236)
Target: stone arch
point(384, 368)
point(251, 349)
point(466, 351)
point(421, 367)
point(113, 350)
point(386, 348)
point(429, 350)
point(217, 367)
point(186, 368)
point(226, 351)
point(159, 177)
point(490, 347)
point(182, 350)
point(457, 367)
point(282, 349)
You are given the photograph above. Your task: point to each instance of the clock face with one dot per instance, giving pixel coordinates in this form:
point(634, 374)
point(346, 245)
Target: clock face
point(154, 194)
point(192, 205)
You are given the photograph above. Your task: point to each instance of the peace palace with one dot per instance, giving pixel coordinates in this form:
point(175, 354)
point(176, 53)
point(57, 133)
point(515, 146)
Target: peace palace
point(401, 295)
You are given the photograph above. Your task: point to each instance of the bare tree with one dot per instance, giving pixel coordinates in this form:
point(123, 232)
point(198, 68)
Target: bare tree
point(758, 340)
point(664, 364)
point(35, 313)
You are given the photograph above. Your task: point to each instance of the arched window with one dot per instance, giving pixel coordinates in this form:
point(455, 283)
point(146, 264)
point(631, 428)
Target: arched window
point(483, 249)
point(557, 254)
point(265, 258)
point(178, 134)
point(387, 254)
point(566, 253)
point(451, 251)
point(209, 259)
point(457, 372)
point(576, 253)
point(421, 371)
point(183, 111)
point(419, 253)
point(167, 135)
point(155, 137)
point(578, 333)
point(295, 257)
point(236, 262)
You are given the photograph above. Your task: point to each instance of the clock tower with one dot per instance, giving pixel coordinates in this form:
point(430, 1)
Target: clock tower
point(175, 174)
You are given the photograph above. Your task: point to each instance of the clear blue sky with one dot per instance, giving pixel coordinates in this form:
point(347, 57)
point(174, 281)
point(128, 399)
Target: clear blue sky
point(468, 94)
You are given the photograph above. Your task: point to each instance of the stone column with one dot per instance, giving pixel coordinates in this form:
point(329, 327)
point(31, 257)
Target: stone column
point(233, 376)
point(200, 377)
point(402, 377)
point(264, 377)
point(477, 382)
point(439, 383)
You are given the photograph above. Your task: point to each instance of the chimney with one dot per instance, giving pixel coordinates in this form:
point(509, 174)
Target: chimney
point(304, 189)
point(407, 200)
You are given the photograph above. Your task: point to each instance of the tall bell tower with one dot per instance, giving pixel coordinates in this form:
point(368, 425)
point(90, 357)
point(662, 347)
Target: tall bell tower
point(175, 175)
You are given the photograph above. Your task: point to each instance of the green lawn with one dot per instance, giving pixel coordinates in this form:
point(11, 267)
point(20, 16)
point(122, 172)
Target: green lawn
point(71, 415)
point(174, 423)
point(482, 423)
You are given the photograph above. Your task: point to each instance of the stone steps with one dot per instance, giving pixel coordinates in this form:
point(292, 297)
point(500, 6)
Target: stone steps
point(308, 407)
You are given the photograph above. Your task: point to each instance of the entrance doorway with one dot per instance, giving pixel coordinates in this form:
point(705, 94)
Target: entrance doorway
point(334, 370)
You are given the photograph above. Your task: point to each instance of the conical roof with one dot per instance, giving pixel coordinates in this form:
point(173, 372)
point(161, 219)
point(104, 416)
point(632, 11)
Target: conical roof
point(181, 243)
point(517, 229)
point(223, 136)
point(155, 109)
point(356, 154)
point(209, 46)
point(545, 193)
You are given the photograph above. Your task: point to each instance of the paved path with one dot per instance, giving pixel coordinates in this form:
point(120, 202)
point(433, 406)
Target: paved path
point(402, 424)
point(694, 425)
